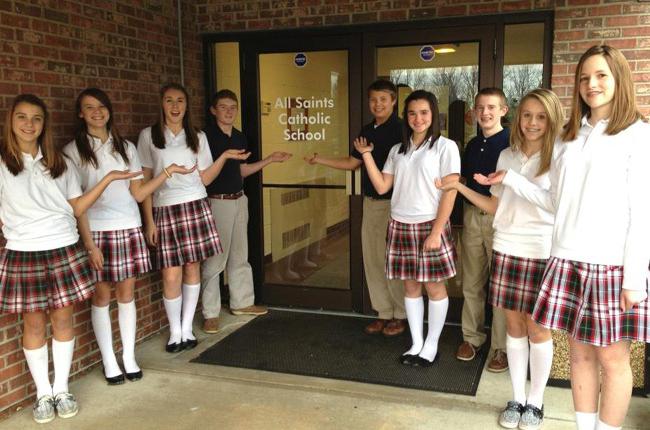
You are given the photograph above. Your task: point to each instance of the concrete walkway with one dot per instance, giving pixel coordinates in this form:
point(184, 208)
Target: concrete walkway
point(176, 394)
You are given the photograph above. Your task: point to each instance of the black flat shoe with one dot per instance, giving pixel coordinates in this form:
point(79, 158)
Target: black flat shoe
point(189, 343)
point(408, 359)
point(134, 376)
point(114, 380)
point(174, 347)
point(423, 362)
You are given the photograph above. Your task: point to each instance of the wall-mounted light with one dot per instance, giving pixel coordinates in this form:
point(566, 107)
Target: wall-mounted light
point(444, 50)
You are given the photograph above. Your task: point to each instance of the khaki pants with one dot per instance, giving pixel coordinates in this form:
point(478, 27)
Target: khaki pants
point(476, 254)
point(231, 218)
point(386, 296)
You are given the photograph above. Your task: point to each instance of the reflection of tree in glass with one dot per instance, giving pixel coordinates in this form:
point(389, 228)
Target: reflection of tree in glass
point(518, 80)
point(461, 82)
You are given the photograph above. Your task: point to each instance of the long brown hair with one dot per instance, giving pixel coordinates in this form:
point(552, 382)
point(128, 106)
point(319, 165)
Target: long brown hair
point(10, 148)
point(624, 109)
point(433, 132)
point(81, 138)
point(555, 118)
point(191, 133)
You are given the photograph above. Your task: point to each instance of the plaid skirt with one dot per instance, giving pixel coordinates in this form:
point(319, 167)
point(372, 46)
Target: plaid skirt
point(405, 258)
point(35, 281)
point(583, 300)
point(186, 234)
point(125, 254)
point(515, 282)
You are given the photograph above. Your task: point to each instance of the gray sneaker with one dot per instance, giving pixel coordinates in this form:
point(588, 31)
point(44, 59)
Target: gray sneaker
point(510, 416)
point(44, 409)
point(532, 418)
point(66, 405)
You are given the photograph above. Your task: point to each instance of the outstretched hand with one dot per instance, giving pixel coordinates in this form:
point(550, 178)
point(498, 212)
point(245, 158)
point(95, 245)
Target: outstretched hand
point(446, 183)
point(175, 168)
point(494, 178)
point(279, 156)
point(311, 159)
point(362, 145)
point(116, 175)
point(236, 154)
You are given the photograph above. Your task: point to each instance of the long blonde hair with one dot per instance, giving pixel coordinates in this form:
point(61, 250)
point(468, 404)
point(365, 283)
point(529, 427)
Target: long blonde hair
point(624, 108)
point(555, 118)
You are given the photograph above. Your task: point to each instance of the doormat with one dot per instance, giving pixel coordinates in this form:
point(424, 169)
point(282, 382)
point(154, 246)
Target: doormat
point(331, 346)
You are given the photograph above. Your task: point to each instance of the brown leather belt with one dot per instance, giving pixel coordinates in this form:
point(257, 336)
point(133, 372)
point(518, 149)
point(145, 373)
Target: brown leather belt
point(234, 196)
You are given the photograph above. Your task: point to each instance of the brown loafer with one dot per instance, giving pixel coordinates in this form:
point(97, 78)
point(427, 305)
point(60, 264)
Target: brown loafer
point(375, 327)
point(499, 362)
point(211, 325)
point(250, 310)
point(394, 327)
point(466, 351)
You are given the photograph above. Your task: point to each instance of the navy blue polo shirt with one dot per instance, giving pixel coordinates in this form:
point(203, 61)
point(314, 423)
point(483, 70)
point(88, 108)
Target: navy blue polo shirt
point(383, 137)
point(229, 180)
point(481, 156)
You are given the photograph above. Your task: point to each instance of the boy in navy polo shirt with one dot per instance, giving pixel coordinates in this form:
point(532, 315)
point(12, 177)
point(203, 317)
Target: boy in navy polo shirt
point(229, 207)
point(385, 131)
point(480, 156)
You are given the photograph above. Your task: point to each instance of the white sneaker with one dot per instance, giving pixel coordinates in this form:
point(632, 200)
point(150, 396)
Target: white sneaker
point(66, 405)
point(44, 409)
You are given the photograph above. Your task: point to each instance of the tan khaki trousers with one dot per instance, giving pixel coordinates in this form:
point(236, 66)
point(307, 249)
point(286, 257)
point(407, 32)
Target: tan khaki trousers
point(386, 296)
point(476, 254)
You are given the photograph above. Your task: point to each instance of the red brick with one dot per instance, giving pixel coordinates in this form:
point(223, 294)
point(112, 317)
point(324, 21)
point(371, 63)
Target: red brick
point(511, 6)
point(613, 21)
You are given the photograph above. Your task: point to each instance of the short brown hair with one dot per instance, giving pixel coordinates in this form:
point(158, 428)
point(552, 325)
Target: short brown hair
point(492, 91)
point(624, 109)
point(383, 85)
point(224, 94)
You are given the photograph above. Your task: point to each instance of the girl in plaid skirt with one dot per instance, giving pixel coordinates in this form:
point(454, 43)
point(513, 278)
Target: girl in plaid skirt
point(112, 229)
point(595, 283)
point(179, 226)
point(522, 245)
point(43, 268)
point(419, 248)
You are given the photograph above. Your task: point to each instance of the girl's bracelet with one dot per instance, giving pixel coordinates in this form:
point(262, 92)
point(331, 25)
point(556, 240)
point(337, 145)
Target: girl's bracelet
point(166, 172)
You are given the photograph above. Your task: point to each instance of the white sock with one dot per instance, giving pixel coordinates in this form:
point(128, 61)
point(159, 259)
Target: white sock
point(602, 426)
point(415, 316)
point(173, 310)
point(586, 420)
point(37, 362)
point(437, 317)
point(517, 350)
point(191, 295)
point(541, 360)
point(101, 320)
point(127, 316)
point(62, 357)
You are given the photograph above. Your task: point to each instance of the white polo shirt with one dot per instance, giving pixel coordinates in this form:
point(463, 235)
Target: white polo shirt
point(521, 229)
point(415, 196)
point(34, 208)
point(115, 209)
point(179, 188)
point(600, 197)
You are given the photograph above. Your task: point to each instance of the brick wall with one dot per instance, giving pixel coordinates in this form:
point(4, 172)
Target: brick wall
point(55, 48)
point(578, 24)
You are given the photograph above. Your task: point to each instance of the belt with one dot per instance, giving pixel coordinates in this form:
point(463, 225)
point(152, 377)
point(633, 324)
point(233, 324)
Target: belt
point(233, 196)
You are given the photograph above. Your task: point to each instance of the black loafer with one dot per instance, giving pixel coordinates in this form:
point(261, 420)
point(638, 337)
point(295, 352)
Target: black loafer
point(134, 376)
point(174, 347)
point(115, 380)
point(423, 362)
point(189, 343)
point(408, 359)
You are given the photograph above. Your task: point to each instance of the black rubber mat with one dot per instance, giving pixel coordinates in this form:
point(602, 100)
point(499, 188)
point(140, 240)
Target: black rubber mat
point(331, 346)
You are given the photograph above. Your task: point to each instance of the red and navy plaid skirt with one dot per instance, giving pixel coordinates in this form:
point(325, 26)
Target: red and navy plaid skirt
point(584, 300)
point(186, 234)
point(515, 282)
point(35, 281)
point(125, 254)
point(405, 258)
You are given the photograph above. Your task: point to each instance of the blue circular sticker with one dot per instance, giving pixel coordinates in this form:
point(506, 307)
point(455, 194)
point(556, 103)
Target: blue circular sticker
point(427, 53)
point(300, 59)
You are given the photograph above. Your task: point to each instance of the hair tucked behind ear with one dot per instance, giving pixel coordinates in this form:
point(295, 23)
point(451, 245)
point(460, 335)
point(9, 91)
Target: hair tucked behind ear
point(191, 133)
point(433, 132)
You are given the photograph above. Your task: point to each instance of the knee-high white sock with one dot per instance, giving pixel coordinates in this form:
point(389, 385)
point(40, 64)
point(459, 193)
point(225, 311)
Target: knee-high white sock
point(37, 363)
point(101, 320)
point(173, 310)
point(602, 426)
point(586, 420)
point(517, 350)
point(437, 317)
point(62, 357)
point(127, 316)
point(191, 295)
point(541, 360)
point(415, 316)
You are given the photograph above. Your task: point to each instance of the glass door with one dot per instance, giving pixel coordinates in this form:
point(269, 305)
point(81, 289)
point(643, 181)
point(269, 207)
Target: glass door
point(308, 215)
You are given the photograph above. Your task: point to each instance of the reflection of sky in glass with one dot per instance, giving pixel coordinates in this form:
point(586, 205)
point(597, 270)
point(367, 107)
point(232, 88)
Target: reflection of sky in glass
point(519, 79)
point(461, 82)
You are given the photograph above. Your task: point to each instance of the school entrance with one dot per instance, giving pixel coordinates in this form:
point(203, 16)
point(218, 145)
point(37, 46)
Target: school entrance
point(304, 92)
